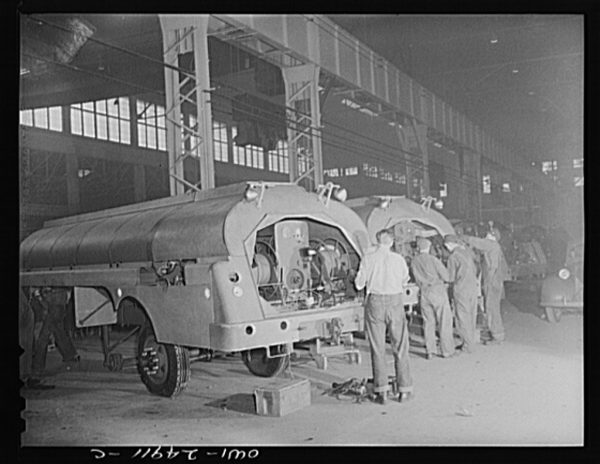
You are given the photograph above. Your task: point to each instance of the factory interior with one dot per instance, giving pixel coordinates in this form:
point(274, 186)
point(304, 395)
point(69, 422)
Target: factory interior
point(199, 199)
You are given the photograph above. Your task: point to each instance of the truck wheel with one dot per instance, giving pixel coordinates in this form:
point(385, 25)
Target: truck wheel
point(259, 364)
point(164, 368)
point(553, 314)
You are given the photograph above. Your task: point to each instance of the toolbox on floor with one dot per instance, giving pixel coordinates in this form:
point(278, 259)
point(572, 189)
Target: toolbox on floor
point(282, 397)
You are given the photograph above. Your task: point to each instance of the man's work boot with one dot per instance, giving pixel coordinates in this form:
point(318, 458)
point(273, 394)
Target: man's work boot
point(380, 398)
point(403, 397)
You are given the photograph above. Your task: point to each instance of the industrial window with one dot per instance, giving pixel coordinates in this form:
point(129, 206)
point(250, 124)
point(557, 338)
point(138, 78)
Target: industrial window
point(43, 118)
point(333, 172)
point(351, 171)
point(220, 141)
point(399, 178)
point(279, 158)
point(443, 190)
point(548, 166)
point(151, 125)
point(506, 187)
point(385, 175)
point(249, 155)
point(578, 181)
point(102, 119)
point(578, 163)
point(487, 184)
point(369, 170)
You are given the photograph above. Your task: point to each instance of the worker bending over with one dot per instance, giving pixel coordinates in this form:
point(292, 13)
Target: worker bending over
point(384, 274)
point(462, 273)
point(431, 277)
point(493, 274)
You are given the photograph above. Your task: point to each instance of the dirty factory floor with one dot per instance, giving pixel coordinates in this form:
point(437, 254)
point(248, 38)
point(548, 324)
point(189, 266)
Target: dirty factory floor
point(527, 391)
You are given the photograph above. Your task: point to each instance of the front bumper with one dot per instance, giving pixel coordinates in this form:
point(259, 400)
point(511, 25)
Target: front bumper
point(285, 329)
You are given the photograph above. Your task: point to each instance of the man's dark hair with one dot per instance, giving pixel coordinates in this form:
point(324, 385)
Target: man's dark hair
point(382, 232)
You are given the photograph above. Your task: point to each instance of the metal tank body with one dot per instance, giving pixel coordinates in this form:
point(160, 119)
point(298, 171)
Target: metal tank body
point(193, 264)
point(408, 220)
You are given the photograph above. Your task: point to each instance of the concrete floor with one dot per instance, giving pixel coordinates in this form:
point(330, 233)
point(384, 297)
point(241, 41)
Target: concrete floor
point(528, 391)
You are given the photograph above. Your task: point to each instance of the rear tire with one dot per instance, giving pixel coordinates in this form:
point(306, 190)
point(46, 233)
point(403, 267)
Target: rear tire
point(259, 364)
point(166, 370)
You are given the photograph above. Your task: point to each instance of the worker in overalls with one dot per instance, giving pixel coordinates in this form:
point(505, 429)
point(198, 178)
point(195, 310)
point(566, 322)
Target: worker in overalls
point(431, 277)
point(26, 342)
point(54, 301)
point(384, 274)
point(462, 275)
point(494, 273)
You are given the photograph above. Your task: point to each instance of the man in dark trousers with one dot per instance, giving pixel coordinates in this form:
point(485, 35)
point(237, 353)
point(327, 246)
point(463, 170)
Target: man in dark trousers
point(431, 277)
point(384, 274)
point(461, 270)
point(26, 341)
point(54, 301)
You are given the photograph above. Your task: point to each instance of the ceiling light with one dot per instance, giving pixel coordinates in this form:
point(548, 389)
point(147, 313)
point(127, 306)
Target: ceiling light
point(515, 71)
point(494, 41)
point(531, 92)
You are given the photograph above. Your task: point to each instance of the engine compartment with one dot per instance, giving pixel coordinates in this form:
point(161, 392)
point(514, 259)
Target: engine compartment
point(303, 264)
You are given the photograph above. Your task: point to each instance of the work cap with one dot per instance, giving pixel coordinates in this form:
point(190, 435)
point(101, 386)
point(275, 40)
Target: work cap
point(451, 238)
point(423, 243)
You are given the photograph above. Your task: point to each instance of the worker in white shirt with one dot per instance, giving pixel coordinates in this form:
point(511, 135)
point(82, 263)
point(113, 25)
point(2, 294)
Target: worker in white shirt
point(384, 274)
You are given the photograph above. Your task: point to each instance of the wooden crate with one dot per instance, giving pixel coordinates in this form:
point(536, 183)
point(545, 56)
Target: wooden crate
point(282, 397)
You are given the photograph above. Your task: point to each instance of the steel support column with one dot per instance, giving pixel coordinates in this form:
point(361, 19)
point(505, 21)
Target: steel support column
point(304, 125)
point(187, 88)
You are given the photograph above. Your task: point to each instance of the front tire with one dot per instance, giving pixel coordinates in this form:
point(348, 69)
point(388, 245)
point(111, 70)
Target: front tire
point(164, 368)
point(259, 364)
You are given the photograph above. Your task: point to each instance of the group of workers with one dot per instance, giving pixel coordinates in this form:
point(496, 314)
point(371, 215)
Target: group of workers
point(384, 273)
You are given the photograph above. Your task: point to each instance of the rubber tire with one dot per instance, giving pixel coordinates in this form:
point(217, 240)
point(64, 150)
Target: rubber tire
point(553, 314)
point(177, 366)
point(258, 364)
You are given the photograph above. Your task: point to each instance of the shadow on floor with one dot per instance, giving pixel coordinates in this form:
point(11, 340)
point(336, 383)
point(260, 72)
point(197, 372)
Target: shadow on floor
point(239, 402)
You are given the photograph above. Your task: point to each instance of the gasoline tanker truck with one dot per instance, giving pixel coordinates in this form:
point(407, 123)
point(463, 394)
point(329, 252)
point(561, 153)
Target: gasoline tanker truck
point(248, 268)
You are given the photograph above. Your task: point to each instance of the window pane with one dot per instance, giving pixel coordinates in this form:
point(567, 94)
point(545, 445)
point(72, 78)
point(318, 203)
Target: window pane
point(113, 108)
point(56, 118)
point(124, 107)
point(26, 117)
point(125, 136)
point(75, 121)
point(113, 129)
point(141, 135)
point(88, 124)
point(88, 106)
point(101, 127)
point(40, 117)
point(151, 138)
point(162, 139)
point(101, 106)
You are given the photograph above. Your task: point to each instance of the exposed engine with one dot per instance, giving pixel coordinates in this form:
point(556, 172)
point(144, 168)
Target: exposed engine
point(302, 264)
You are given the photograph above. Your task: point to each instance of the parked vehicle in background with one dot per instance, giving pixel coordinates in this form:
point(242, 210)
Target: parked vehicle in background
point(563, 289)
